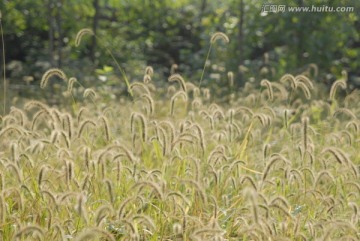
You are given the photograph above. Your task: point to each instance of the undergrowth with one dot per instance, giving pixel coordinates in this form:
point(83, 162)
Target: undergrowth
point(278, 161)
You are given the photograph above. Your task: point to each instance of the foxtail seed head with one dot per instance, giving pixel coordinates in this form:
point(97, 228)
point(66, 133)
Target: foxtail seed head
point(339, 83)
point(179, 79)
point(231, 78)
point(48, 74)
point(89, 92)
point(267, 84)
point(291, 78)
point(71, 82)
point(219, 35)
point(149, 71)
point(81, 33)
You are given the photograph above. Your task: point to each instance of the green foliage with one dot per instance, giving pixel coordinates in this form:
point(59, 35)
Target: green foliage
point(161, 33)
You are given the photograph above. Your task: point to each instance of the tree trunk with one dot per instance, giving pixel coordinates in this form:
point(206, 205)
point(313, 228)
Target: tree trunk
point(50, 7)
point(95, 27)
point(203, 8)
point(300, 38)
point(59, 32)
point(241, 37)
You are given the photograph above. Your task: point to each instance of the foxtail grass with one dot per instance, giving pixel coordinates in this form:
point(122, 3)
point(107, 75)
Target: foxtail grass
point(149, 71)
point(304, 87)
point(88, 31)
point(175, 96)
point(230, 76)
point(291, 79)
point(337, 84)
point(137, 116)
point(214, 38)
point(268, 85)
point(305, 122)
point(52, 72)
point(29, 229)
point(178, 78)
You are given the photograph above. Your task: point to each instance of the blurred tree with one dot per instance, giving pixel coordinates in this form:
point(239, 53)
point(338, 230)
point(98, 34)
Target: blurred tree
point(163, 32)
point(95, 27)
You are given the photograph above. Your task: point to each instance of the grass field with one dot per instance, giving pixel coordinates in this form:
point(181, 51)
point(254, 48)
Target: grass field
point(271, 161)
